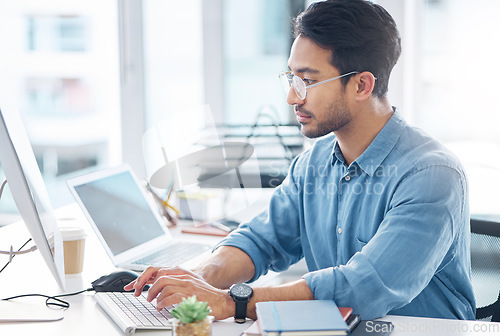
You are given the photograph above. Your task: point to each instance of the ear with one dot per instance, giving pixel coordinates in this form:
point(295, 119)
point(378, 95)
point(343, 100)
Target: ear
point(365, 82)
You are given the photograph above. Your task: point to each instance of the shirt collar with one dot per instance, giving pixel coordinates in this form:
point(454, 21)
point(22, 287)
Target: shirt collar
point(337, 153)
point(380, 147)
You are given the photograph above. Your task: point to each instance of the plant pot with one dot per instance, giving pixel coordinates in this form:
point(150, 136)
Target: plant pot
point(199, 328)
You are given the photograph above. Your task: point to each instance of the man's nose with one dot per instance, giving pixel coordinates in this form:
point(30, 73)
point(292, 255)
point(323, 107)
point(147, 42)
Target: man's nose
point(292, 98)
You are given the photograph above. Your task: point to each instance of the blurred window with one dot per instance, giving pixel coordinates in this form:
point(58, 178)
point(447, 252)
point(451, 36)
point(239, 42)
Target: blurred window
point(455, 92)
point(57, 33)
point(256, 40)
point(59, 69)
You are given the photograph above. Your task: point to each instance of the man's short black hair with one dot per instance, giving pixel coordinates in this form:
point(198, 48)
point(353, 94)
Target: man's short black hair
point(361, 35)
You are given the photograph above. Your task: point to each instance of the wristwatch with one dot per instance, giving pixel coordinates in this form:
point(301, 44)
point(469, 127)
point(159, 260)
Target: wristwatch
point(241, 294)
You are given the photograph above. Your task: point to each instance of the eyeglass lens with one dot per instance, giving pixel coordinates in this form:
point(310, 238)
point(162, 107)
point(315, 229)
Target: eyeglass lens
point(296, 82)
point(285, 82)
point(299, 86)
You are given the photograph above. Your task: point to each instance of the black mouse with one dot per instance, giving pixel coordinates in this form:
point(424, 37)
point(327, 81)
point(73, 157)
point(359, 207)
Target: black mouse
point(114, 282)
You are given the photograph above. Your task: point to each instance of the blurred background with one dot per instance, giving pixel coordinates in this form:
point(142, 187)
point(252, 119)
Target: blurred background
point(91, 77)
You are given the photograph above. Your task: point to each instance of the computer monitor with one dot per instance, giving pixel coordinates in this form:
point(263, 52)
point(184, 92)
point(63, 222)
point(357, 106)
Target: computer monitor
point(28, 190)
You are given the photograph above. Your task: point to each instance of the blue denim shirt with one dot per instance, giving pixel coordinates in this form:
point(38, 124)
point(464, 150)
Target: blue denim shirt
point(388, 234)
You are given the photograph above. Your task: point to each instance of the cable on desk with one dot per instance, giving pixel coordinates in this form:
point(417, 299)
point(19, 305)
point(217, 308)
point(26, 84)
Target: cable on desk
point(13, 254)
point(58, 303)
point(2, 186)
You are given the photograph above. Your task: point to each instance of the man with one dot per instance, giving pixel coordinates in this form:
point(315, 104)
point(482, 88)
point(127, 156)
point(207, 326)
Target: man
point(378, 209)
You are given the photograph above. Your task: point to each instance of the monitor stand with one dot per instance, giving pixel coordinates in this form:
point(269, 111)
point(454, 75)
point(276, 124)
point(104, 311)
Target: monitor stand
point(11, 311)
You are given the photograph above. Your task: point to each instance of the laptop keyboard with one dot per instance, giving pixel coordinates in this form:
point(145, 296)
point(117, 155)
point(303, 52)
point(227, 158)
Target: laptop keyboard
point(141, 312)
point(174, 254)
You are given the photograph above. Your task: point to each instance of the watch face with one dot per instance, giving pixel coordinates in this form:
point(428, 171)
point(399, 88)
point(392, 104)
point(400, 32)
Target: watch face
point(241, 290)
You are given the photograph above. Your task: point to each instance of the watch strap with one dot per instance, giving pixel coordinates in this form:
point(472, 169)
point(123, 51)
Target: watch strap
point(240, 312)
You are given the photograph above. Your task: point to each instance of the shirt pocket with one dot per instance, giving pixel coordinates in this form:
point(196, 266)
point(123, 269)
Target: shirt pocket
point(359, 244)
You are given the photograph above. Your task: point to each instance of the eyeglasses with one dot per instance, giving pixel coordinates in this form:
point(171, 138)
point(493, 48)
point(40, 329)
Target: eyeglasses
point(288, 80)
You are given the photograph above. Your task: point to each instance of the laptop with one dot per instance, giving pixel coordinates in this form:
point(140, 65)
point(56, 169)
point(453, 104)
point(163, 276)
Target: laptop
point(127, 222)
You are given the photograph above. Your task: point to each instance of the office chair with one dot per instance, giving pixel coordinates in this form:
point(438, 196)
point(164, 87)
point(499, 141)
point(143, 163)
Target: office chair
point(485, 264)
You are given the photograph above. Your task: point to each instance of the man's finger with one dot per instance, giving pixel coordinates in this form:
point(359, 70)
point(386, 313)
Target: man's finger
point(166, 281)
point(169, 300)
point(147, 274)
point(130, 285)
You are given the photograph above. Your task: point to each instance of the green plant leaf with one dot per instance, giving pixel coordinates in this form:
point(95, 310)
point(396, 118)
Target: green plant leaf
point(191, 310)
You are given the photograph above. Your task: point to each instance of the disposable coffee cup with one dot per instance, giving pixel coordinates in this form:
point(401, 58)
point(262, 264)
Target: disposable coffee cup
point(74, 248)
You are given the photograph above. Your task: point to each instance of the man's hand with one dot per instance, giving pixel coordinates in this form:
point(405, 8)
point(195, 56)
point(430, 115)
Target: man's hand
point(151, 274)
point(170, 285)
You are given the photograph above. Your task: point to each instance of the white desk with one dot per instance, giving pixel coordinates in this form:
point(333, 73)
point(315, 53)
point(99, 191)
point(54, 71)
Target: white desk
point(28, 274)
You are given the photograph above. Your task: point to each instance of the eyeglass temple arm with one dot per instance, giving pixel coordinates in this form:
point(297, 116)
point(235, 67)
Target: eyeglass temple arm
point(331, 79)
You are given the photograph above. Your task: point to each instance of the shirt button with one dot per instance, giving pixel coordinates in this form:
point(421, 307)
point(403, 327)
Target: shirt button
point(348, 178)
point(339, 230)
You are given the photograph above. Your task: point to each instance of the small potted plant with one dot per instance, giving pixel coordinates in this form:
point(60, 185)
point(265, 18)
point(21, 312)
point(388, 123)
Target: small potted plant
point(191, 318)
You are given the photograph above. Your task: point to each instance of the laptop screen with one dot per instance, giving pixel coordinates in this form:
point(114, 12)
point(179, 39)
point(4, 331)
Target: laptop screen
point(120, 211)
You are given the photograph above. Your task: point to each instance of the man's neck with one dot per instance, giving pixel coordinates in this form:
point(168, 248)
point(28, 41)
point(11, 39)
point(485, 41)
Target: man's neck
point(367, 122)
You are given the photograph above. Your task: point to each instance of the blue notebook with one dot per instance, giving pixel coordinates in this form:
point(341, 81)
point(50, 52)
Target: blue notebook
point(297, 318)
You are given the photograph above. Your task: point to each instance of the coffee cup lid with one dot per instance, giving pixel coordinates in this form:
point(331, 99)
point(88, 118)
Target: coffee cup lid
point(72, 233)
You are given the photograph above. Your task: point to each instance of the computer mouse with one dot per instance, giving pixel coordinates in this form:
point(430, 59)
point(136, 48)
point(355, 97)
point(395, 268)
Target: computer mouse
point(114, 282)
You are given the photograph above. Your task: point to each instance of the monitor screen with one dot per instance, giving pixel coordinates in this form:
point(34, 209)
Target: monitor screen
point(28, 190)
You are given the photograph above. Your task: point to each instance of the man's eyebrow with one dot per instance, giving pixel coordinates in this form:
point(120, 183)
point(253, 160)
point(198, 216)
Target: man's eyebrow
point(305, 70)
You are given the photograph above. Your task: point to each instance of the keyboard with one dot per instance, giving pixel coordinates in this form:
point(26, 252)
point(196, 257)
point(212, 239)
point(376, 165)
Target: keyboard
point(174, 254)
point(131, 313)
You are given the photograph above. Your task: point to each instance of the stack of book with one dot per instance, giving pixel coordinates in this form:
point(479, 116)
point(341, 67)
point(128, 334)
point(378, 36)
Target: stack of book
point(311, 317)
